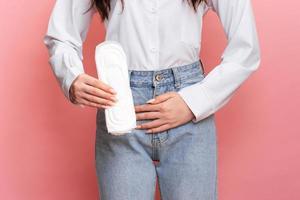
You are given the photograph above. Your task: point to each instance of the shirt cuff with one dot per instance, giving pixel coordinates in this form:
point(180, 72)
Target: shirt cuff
point(201, 104)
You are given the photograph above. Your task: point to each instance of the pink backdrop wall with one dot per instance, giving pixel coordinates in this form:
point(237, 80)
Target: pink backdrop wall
point(47, 145)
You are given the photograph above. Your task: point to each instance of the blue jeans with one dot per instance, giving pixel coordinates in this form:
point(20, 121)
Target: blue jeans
point(186, 155)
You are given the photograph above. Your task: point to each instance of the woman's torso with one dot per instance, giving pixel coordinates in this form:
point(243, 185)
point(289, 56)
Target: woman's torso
point(156, 34)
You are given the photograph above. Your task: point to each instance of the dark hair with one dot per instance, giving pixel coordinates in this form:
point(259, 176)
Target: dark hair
point(103, 6)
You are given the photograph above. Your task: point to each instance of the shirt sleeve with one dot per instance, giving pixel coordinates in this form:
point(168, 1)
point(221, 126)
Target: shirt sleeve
point(67, 30)
point(239, 60)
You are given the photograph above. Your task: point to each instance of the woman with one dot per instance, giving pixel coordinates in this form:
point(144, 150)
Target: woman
point(175, 101)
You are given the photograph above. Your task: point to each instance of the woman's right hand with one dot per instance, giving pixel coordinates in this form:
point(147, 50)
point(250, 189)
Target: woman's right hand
point(89, 91)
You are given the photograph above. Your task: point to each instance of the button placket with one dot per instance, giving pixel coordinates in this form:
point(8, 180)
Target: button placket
point(154, 35)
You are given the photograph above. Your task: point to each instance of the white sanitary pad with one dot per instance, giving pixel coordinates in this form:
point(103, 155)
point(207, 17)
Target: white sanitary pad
point(112, 69)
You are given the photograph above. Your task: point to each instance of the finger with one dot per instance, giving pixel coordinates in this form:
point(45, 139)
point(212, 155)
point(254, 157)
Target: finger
point(77, 104)
point(100, 84)
point(81, 105)
point(161, 98)
point(159, 129)
point(99, 93)
point(86, 102)
point(152, 124)
point(146, 107)
point(97, 100)
point(147, 115)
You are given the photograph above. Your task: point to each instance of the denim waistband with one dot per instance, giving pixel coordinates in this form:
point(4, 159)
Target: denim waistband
point(172, 75)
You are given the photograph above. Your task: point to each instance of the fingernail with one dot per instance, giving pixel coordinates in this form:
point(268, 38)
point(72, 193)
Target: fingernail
point(114, 98)
point(112, 103)
point(82, 106)
point(112, 90)
point(150, 101)
point(138, 126)
point(149, 131)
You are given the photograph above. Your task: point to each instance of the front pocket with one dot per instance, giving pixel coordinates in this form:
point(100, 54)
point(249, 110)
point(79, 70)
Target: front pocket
point(141, 94)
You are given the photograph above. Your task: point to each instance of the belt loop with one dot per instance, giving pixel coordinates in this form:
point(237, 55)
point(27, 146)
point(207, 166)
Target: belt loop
point(176, 77)
point(202, 67)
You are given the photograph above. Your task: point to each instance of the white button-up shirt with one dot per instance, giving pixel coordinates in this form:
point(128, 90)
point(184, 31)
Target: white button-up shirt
point(160, 34)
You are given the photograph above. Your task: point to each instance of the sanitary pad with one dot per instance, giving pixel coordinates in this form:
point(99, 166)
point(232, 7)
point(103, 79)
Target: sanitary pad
point(112, 69)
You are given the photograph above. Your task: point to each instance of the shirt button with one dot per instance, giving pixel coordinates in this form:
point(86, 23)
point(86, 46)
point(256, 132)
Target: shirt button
point(153, 49)
point(153, 10)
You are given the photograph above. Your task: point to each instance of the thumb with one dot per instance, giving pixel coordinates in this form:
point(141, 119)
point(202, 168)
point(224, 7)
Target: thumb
point(160, 98)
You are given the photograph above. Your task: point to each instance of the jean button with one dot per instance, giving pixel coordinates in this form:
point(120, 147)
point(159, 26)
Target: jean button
point(158, 77)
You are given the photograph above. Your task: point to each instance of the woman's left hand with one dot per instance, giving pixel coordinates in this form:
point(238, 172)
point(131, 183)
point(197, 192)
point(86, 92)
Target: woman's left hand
point(168, 111)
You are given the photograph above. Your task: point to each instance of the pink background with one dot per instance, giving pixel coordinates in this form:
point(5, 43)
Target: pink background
point(47, 145)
